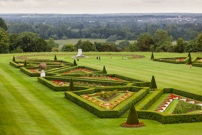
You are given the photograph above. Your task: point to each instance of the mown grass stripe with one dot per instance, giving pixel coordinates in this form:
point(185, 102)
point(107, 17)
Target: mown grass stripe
point(29, 108)
point(47, 102)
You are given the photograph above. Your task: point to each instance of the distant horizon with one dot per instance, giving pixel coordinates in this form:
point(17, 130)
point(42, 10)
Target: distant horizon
point(111, 13)
point(100, 6)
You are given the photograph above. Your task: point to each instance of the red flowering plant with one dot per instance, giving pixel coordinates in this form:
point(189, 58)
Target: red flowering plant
point(34, 70)
point(62, 83)
point(77, 70)
point(107, 106)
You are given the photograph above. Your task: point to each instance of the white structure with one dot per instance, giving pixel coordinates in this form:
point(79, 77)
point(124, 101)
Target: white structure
point(79, 54)
point(43, 74)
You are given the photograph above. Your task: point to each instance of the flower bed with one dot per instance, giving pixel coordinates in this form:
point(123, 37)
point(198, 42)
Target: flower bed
point(108, 106)
point(34, 70)
point(103, 77)
point(78, 70)
point(62, 83)
point(170, 99)
point(141, 124)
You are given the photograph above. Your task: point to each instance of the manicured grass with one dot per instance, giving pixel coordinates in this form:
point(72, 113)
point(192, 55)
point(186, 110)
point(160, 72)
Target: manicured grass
point(158, 102)
point(172, 106)
point(28, 107)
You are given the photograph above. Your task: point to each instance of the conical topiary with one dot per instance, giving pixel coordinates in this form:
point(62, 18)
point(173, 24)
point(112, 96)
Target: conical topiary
point(71, 86)
point(104, 71)
point(25, 63)
point(14, 58)
point(55, 59)
point(132, 117)
point(74, 63)
point(152, 56)
point(189, 61)
point(189, 55)
point(153, 83)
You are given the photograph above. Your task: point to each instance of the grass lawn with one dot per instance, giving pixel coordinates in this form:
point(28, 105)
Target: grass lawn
point(30, 108)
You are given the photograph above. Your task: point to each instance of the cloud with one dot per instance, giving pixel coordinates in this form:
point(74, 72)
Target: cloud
point(99, 6)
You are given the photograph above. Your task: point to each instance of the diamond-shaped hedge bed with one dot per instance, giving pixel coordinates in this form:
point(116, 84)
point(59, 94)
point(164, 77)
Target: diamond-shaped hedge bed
point(91, 84)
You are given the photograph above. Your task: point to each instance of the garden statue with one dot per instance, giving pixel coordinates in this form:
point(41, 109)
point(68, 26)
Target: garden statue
point(79, 54)
point(42, 66)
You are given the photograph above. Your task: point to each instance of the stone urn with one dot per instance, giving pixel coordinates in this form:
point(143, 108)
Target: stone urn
point(42, 66)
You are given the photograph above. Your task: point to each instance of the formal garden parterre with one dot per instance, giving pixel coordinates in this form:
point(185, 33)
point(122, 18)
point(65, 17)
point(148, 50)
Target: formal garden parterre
point(91, 83)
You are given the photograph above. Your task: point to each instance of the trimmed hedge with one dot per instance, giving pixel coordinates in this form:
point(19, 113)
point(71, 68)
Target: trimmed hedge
point(172, 60)
point(32, 74)
point(91, 81)
point(150, 100)
point(55, 87)
point(100, 112)
point(169, 118)
point(15, 64)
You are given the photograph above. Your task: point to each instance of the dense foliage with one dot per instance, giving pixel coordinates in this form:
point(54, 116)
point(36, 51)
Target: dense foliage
point(27, 35)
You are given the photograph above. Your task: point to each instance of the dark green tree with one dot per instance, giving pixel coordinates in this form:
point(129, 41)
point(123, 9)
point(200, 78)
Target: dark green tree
point(199, 42)
point(71, 85)
point(189, 55)
point(68, 48)
point(3, 24)
point(189, 61)
point(144, 41)
point(180, 46)
point(152, 56)
point(104, 71)
point(153, 83)
point(132, 117)
point(55, 59)
point(74, 63)
point(14, 58)
point(162, 41)
point(4, 41)
point(25, 63)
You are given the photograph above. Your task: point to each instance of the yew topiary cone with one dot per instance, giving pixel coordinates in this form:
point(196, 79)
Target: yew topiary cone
point(189, 61)
point(74, 63)
point(189, 55)
point(25, 63)
point(152, 56)
point(132, 117)
point(153, 83)
point(104, 71)
point(71, 86)
point(55, 59)
point(13, 58)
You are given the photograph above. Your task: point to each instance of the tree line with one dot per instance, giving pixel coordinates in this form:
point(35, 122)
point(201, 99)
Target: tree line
point(159, 41)
point(22, 42)
point(119, 31)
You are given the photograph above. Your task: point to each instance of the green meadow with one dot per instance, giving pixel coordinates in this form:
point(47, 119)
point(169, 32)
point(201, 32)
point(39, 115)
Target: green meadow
point(30, 108)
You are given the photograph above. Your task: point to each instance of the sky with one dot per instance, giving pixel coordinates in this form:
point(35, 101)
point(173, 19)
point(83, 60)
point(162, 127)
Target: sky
point(100, 6)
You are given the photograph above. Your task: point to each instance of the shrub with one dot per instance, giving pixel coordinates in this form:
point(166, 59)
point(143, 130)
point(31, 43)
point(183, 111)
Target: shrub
point(71, 86)
point(108, 94)
point(104, 71)
point(189, 60)
point(74, 63)
point(152, 56)
point(132, 117)
point(153, 83)
point(13, 58)
point(55, 59)
point(25, 63)
point(183, 107)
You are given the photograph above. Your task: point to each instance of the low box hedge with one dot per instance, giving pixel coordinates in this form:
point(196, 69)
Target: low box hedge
point(100, 112)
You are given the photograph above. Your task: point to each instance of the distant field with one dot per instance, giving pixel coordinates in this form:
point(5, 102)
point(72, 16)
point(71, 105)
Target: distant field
point(74, 41)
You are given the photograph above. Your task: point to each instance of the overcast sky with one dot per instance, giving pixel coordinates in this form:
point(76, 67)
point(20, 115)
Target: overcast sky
point(100, 6)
